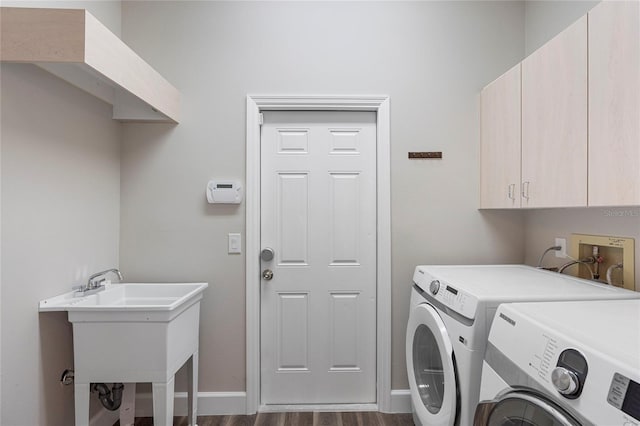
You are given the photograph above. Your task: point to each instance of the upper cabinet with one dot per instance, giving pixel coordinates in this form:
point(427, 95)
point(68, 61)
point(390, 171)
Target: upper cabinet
point(75, 46)
point(614, 103)
point(580, 112)
point(500, 142)
point(554, 121)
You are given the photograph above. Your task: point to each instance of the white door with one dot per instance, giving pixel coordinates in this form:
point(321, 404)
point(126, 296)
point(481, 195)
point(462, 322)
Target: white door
point(318, 214)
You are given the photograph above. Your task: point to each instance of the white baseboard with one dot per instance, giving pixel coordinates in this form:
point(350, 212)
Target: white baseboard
point(209, 404)
point(317, 407)
point(401, 401)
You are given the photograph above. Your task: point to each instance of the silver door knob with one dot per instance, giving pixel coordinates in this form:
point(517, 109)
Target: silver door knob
point(267, 274)
point(266, 254)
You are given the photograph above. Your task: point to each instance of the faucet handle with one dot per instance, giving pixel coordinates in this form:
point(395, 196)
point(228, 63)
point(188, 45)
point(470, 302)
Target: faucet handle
point(80, 290)
point(96, 283)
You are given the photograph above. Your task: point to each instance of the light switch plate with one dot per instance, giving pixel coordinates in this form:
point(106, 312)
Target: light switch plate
point(235, 243)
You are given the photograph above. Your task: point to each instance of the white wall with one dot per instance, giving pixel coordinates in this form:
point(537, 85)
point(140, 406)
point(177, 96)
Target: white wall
point(543, 226)
point(431, 58)
point(545, 19)
point(60, 221)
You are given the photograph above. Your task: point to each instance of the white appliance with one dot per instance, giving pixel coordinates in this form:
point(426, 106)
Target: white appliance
point(564, 363)
point(452, 308)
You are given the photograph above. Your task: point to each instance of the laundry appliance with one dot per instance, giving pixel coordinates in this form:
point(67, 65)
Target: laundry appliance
point(563, 363)
point(451, 311)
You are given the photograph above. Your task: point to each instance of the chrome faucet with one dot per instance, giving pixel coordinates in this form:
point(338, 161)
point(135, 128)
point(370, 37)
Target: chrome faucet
point(95, 285)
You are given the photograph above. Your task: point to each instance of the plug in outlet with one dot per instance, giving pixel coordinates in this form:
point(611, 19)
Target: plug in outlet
point(562, 242)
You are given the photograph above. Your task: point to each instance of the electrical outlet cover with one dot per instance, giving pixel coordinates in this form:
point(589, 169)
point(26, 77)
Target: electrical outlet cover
point(562, 242)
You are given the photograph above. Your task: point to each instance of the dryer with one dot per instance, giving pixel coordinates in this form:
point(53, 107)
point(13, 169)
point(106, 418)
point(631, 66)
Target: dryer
point(563, 363)
point(451, 311)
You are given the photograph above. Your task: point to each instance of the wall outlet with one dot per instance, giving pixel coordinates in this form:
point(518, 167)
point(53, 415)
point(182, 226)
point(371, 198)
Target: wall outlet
point(562, 242)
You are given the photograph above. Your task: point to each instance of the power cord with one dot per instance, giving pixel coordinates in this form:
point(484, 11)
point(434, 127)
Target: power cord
point(556, 248)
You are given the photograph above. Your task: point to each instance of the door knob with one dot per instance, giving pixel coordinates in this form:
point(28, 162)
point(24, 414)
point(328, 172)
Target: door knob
point(267, 274)
point(266, 254)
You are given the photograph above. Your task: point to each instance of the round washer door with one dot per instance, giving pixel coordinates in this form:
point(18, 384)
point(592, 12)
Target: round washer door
point(521, 409)
point(430, 367)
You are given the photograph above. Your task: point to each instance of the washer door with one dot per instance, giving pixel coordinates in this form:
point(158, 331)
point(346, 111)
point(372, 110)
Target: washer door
point(430, 367)
point(521, 409)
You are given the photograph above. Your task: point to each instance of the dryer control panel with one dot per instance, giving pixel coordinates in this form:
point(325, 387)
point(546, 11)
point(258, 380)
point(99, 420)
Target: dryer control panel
point(454, 298)
point(624, 394)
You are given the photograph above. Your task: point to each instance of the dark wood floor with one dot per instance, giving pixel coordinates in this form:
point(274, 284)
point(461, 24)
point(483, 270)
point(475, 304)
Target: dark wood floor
point(295, 419)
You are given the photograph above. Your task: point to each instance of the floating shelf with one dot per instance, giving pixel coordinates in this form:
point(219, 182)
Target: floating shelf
point(73, 45)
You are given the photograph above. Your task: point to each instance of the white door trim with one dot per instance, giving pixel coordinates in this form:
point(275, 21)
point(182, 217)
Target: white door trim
point(379, 104)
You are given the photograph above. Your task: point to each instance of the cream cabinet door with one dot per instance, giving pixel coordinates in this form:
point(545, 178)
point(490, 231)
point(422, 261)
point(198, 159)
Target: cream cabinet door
point(614, 104)
point(500, 142)
point(554, 121)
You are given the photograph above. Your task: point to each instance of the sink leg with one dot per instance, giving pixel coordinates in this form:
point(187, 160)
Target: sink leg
point(128, 407)
point(81, 396)
point(163, 403)
point(192, 383)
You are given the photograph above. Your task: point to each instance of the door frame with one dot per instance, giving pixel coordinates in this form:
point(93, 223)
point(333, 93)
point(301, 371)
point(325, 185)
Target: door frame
point(255, 106)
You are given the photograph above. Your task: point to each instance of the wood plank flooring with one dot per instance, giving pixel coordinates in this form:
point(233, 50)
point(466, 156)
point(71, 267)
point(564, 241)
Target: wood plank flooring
point(361, 418)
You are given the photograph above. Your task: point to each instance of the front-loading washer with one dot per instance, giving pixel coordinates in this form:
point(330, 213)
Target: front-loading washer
point(562, 363)
point(451, 311)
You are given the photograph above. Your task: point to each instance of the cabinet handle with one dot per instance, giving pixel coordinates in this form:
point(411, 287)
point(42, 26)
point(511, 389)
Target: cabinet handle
point(525, 190)
point(512, 190)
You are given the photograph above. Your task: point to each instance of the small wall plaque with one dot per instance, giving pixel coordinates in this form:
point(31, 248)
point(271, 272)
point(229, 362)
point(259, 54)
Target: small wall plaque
point(429, 154)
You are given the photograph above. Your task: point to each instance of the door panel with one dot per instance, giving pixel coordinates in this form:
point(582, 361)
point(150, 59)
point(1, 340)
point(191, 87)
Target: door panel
point(500, 142)
point(344, 213)
point(292, 203)
point(344, 331)
point(614, 104)
point(554, 121)
point(293, 331)
point(318, 212)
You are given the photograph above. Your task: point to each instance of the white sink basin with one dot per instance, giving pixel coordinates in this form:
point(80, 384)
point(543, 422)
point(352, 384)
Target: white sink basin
point(134, 298)
point(133, 333)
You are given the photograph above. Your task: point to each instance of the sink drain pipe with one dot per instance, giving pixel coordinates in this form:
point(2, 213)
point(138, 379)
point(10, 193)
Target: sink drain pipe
point(104, 394)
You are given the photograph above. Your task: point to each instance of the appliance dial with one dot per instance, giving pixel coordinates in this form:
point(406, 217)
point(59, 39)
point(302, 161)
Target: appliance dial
point(565, 381)
point(434, 287)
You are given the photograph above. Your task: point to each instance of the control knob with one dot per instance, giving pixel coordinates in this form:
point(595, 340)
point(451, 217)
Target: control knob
point(565, 381)
point(434, 287)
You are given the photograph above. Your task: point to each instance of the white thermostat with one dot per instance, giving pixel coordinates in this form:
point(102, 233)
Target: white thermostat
point(224, 192)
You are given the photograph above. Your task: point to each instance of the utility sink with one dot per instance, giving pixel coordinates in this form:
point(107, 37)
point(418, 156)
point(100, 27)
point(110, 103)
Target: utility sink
point(128, 300)
point(134, 332)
